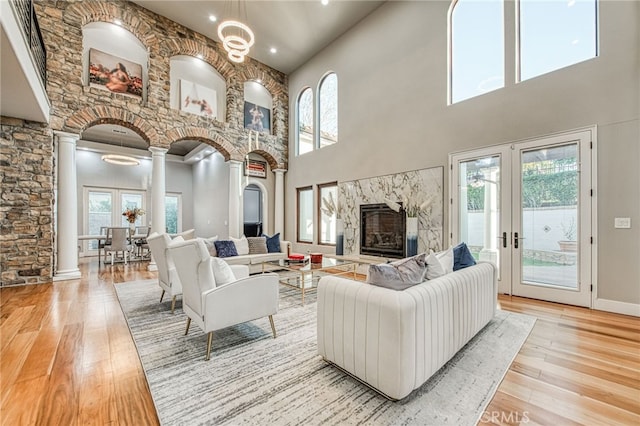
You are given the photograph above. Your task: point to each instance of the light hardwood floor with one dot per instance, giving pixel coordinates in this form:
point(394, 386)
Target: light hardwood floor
point(67, 358)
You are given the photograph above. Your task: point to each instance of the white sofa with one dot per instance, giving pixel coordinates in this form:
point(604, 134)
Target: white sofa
point(254, 261)
point(394, 341)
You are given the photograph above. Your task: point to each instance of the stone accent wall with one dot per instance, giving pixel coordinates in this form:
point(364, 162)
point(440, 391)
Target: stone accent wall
point(26, 210)
point(26, 159)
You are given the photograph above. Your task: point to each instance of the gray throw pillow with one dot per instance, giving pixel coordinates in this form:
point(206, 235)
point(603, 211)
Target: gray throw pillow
point(257, 245)
point(399, 275)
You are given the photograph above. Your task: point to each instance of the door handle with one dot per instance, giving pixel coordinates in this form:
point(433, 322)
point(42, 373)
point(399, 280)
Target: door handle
point(516, 240)
point(504, 239)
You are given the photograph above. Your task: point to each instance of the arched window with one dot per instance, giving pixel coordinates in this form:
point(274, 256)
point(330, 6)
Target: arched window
point(555, 34)
point(305, 121)
point(328, 114)
point(476, 48)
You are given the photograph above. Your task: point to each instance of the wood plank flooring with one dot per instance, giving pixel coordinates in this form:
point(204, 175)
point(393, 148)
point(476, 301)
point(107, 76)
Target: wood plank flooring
point(67, 358)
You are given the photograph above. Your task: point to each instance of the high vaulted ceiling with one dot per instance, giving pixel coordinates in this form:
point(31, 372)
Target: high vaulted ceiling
point(297, 29)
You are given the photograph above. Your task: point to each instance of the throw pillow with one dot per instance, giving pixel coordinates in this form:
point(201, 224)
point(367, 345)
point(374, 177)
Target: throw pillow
point(209, 243)
point(439, 264)
point(257, 245)
point(462, 257)
point(273, 243)
point(225, 248)
point(242, 245)
point(398, 275)
point(222, 272)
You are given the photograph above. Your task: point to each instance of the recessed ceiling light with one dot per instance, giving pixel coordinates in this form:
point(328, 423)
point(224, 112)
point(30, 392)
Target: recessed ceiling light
point(273, 50)
point(324, 2)
point(199, 56)
point(212, 18)
point(117, 22)
point(258, 80)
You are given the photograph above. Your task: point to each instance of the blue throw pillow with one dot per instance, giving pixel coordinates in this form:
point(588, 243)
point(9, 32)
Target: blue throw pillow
point(273, 243)
point(225, 248)
point(462, 257)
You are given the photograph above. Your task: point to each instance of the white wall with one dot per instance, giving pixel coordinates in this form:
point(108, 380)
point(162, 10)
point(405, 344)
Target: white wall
point(199, 72)
point(211, 195)
point(393, 116)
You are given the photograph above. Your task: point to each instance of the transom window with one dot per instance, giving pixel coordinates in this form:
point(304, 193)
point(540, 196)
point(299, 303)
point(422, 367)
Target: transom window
point(477, 48)
point(555, 34)
point(328, 100)
point(305, 121)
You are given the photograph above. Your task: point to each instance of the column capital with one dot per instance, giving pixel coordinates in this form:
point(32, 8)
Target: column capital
point(279, 171)
point(66, 136)
point(155, 150)
point(235, 163)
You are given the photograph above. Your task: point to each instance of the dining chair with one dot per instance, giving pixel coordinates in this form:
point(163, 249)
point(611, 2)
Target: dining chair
point(102, 242)
point(118, 241)
point(141, 243)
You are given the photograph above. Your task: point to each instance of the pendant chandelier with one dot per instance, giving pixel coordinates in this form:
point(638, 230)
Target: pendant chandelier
point(236, 37)
point(119, 159)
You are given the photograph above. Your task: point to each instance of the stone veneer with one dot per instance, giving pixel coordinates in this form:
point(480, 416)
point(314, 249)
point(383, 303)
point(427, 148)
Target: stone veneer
point(27, 148)
point(26, 209)
point(411, 188)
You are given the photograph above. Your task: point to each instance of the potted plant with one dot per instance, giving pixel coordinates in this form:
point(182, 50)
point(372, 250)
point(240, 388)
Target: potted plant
point(569, 232)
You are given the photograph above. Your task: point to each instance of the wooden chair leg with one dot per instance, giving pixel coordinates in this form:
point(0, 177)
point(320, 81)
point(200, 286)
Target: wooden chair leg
point(173, 304)
point(209, 339)
point(162, 296)
point(188, 324)
point(273, 327)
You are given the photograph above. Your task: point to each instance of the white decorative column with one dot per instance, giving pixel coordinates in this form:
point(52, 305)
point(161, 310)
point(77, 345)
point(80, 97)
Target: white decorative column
point(235, 192)
point(158, 185)
point(67, 209)
point(279, 203)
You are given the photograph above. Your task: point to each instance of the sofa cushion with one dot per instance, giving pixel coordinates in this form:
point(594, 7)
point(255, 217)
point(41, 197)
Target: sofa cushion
point(225, 248)
point(257, 245)
point(242, 245)
point(257, 259)
point(273, 243)
point(189, 234)
point(222, 271)
point(462, 257)
point(210, 243)
point(400, 274)
point(239, 260)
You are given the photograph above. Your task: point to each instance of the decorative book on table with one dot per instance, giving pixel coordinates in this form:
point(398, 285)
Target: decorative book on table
point(296, 257)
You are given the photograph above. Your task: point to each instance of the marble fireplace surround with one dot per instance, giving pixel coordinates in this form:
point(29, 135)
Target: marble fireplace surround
point(410, 188)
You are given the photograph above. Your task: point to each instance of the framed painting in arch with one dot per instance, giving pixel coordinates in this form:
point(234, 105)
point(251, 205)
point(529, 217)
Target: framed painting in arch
point(197, 99)
point(257, 117)
point(114, 74)
point(255, 168)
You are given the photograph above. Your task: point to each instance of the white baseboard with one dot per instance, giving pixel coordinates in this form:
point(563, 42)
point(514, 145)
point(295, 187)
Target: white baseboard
point(617, 307)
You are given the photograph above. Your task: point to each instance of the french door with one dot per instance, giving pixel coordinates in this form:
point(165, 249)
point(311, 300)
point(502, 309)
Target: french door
point(527, 207)
point(103, 207)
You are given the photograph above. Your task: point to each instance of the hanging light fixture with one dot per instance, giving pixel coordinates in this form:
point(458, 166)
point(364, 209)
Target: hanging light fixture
point(120, 160)
point(236, 37)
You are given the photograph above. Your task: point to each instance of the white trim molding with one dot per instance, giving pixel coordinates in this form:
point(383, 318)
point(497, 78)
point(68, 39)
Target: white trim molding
point(617, 307)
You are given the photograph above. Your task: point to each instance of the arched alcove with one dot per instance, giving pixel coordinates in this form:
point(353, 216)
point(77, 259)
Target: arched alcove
point(104, 45)
point(192, 81)
point(258, 107)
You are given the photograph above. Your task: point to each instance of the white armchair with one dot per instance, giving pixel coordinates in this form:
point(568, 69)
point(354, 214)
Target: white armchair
point(214, 307)
point(168, 279)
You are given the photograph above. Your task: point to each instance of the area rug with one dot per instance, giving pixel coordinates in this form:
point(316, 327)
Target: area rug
point(257, 380)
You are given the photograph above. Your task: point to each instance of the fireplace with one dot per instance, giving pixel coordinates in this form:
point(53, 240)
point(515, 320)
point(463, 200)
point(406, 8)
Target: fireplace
point(382, 231)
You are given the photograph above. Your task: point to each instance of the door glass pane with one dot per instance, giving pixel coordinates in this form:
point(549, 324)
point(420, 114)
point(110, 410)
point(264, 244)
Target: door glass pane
point(328, 206)
point(305, 215)
point(99, 215)
point(480, 207)
point(549, 237)
point(171, 206)
point(131, 201)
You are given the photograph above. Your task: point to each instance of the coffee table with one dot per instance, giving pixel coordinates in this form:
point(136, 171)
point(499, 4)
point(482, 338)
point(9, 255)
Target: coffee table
point(308, 274)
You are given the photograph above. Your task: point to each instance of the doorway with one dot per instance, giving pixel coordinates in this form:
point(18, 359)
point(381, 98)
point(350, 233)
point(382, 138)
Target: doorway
point(252, 210)
point(527, 207)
